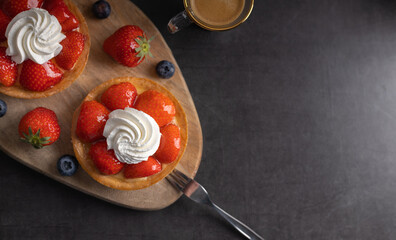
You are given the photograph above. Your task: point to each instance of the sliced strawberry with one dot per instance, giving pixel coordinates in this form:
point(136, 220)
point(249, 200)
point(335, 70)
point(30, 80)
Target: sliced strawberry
point(119, 96)
point(60, 10)
point(39, 77)
point(39, 127)
point(169, 147)
point(73, 45)
point(128, 46)
point(105, 160)
point(4, 21)
point(91, 121)
point(142, 169)
point(13, 7)
point(8, 69)
point(157, 105)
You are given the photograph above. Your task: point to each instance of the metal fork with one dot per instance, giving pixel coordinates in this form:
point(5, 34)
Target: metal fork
point(198, 194)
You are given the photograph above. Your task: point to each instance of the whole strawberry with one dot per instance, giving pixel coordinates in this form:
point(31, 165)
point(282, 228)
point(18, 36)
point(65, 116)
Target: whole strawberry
point(73, 46)
point(119, 96)
point(169, 147)
point(142, 169)
point(128, 46)
point(157, 105)
point(8, 69)
point(65, 17)
point(39, 127)
point(39, 77)
point(105, 160)
point(91, 121)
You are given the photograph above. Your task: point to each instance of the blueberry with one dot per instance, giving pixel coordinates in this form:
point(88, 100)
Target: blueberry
point(101, 9)
point(67, 165)
point(3, 108)
point(165, 69)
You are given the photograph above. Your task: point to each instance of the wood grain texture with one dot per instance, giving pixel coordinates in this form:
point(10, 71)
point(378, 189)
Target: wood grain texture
point(100, 68)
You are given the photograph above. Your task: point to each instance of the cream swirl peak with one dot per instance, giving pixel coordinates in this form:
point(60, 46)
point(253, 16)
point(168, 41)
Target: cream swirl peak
point(34, 34)
point(132, 134)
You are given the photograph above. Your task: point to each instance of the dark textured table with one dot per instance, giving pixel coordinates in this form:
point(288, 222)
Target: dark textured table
point(298, 112)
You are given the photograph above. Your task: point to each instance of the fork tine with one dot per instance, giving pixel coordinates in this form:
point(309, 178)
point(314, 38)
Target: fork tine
point(181, 175)
point(174, 183)
point(179, 180)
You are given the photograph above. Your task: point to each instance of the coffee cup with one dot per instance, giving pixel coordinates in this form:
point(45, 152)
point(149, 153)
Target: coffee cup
point(212, 15)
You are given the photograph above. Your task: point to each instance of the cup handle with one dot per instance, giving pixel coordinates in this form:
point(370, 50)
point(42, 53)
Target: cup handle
point(179, 22)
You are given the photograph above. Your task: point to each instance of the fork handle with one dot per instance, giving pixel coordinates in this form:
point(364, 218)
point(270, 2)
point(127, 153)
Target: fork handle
point(245, 230)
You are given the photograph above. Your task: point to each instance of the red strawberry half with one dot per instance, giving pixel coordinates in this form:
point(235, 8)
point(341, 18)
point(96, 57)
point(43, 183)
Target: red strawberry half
point(8, 69)
point(73, 46)
point(39, 127)
point(4, 21)
point(105, 160)
point(169, 147)
point(119, 96)
point(157, 105)
point(60, 10)
point(13, 7)
point(128, 46)
point(39, 77)
point(91, 121)
point(142, 169)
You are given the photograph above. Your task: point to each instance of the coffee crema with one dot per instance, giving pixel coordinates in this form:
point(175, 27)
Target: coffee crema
point(217, 12)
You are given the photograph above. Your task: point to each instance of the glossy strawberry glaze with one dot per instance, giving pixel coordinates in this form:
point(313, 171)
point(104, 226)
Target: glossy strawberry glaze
point(51, 71)
point(119, 96)
point(73, 46)
point(36, 77)
point(143, 169)
point(8, 69)
point(104, 159)
point(157, 106)
point(170, 144)
point(57, 8)
point(91, 121)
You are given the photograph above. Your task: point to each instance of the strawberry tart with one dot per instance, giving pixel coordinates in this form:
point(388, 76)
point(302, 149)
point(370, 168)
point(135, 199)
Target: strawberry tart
point(129, 133)
point(44, 47)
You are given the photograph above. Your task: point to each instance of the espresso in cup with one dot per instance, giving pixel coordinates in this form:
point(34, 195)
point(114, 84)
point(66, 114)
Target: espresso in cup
point(213, 15)
point(217, 12)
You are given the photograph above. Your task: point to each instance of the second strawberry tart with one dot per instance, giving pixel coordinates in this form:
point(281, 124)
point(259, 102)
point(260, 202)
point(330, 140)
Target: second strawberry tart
point(44, 47)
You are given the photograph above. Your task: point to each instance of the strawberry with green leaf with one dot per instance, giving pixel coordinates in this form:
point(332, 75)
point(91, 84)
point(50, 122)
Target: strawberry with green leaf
point(128, 45)
point(39, 127)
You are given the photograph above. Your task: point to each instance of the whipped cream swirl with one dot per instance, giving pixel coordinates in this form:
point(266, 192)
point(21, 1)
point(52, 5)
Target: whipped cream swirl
point(34, 34)
point(132, 134)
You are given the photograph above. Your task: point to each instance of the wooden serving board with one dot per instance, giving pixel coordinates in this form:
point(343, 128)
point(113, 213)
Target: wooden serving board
point(100, 68)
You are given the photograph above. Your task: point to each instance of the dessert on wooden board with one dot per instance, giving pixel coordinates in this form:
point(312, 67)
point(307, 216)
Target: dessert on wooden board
point(44, 47)
point(129, 133)
point(57, 161)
